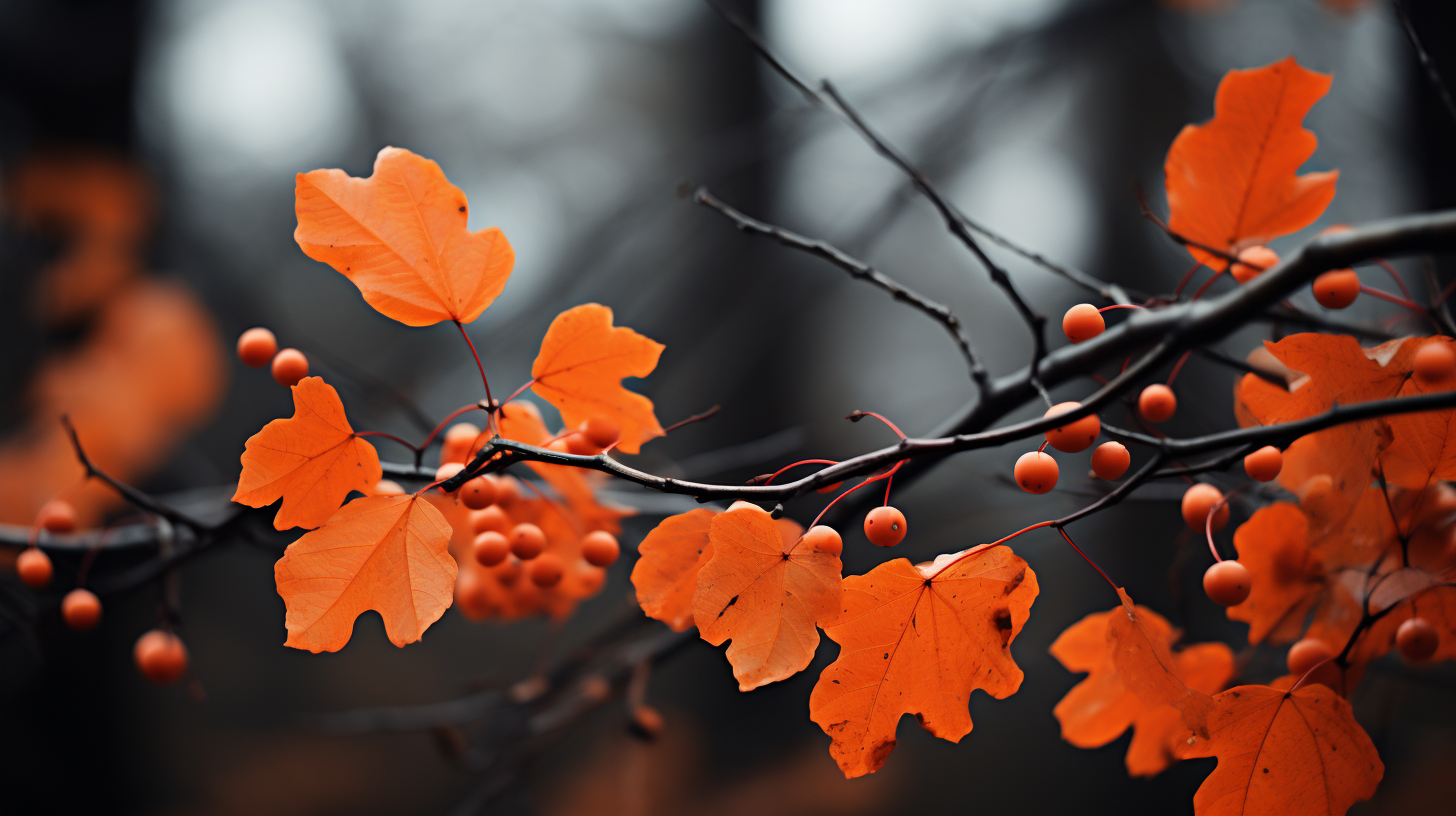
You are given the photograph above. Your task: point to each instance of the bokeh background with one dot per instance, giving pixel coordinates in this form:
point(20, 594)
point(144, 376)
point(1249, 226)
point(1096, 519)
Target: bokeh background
point(148, 151)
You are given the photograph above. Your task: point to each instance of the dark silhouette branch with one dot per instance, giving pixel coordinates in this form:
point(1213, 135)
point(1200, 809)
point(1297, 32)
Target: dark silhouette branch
point(857, 269)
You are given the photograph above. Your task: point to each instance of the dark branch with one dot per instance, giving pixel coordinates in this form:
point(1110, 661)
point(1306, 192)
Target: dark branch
point(131, 494)
point(1427, 64)
point(857, 269)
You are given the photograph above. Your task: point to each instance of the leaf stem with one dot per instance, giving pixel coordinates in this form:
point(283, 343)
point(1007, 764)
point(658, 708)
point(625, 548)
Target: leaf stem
point(473, 353)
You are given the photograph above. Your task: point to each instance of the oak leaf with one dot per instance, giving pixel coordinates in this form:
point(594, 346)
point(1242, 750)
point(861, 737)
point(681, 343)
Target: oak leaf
point(917, 640)
point(1287, 575)
point(1101, 707)
point(1232, 182)
point(312, 460)
point(766, 593)
point(1299, 752)
point(580, 368)
point(386, 553)
point(401, 237)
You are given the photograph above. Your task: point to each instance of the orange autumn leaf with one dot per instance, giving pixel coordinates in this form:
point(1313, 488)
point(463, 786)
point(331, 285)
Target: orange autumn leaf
point(1287, 575)
point(401, 237)
point(1101, 707)
point(1139, 641)
point(1423, 446)
point(580, 368)
point(1232, 182)
point(666, 574)
point(386, 553)
point(1299, 752)
point(918, 640)
point(311, 460)
point(766, 593)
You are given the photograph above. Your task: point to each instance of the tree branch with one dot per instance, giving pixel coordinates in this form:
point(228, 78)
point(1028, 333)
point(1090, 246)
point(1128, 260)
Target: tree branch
point(857, 269)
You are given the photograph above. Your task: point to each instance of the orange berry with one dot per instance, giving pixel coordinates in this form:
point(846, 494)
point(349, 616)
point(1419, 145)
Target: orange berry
point(490, 548)
point(446, 471)
point(387, 487)
point(161, 657)
point(289, 366)
point(478, 493)
point(1417, 640)
point(1083, 322)
point(1036, 472)
point(601, 431)
point(1305, 655)
point(1227, 583)
point(1337, 289)
point(546, 571)
point(1110, 460)
point(590, 579)
point(578, 444)
point(507, 491)
point(471, 596)
point(256, 347)
point(1157, 403)
point(600, 548)
point(1434, 362)
point(491, 518)
point(1197, 501)
point(825, 539)
point(1264, 464)
point(81, 610)
point(455, 446)
point(527, 541)
point(56, 516)
point(34, 568)
point(646, 722)
point(507, 571)
point(884, 526)
point(1076, 436)
point(1257, 259)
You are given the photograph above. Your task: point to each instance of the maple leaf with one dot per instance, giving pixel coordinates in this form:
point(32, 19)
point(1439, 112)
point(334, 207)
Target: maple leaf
point(666, 573)
point(1232, 182)
point(1299, 752)
point(1287, 575)
point(1101, 707)
point(1329, 470)
point(311, 460)
point(766, 593)
point(580, 368)
point(386, 553)
point(917, 640)
point(401, 237)
point(1423, 446)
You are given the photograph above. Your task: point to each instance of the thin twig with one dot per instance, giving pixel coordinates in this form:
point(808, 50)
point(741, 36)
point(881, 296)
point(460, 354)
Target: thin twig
point(1427, 64)
point(857, 269)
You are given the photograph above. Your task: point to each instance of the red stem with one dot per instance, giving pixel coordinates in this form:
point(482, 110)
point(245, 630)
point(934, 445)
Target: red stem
point(1122, 306)
point(1384, 264)
point(518, 391)
point(781, 470)
point(1087, 559)
point(1178, 366)
point(885, 475)
point(388, 436)
point(1208, 283)
point(453, 414)
point(897, 431)
point(476, 355)
point(1187, 276)
point(1389, 298)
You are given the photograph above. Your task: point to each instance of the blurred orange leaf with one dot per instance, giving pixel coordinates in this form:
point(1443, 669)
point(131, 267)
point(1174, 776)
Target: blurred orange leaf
point(766, 593)
point(1284, 752)
point(386, 553)
point(1232, 182)
point(311, 460)
point(521, 420)
point(917, 640)
point(1101, 707)
point(580, 369)
point(1287, 575)
point(401, 237)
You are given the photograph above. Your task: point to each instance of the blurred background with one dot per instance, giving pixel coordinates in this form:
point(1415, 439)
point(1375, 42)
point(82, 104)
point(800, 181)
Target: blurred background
point(148, 151)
